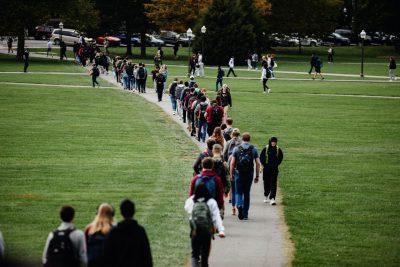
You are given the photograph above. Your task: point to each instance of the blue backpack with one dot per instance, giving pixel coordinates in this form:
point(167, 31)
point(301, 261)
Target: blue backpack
point(245, 160)
point(209, 182)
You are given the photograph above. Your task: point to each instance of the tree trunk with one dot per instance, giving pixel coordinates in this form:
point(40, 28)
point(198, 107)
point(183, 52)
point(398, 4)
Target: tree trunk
point(128, 43)
point(143, 43)
point(21, 44)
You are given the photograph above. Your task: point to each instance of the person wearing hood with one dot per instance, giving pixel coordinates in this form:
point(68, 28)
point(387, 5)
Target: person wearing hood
point(271, 157)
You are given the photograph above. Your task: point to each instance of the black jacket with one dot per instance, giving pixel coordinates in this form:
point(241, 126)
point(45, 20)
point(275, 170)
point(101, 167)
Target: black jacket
point(127, 245)
point(272, 158)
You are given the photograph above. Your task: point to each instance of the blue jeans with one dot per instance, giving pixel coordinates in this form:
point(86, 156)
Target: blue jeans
point(202, 131)
point(173, 102)
point(132, 83)
point(126, 82)
point(243, 185)
point(233, 188)
point(219, 82)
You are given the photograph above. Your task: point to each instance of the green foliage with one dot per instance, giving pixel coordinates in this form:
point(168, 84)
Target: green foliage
point(234, 28)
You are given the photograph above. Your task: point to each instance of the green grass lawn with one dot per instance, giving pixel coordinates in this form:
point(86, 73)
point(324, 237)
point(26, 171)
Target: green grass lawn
point(339, 179)
point(84, 147)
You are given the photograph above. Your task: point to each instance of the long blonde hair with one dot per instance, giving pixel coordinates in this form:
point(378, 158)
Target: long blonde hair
point(103, 221)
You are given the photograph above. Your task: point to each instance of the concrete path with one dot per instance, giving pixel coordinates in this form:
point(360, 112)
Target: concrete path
point(260, 241)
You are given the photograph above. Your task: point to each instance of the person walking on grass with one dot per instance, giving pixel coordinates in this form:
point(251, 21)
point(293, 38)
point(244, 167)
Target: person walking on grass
point(225, 97)
point(26, 59)
point(392, 69)
point(9, 44)
point(318, 66)
point(172, 95)
point(231, 67)
point(141, 78)
point(312, 62)
point(330, 54)
point(63, 50)
point(96, 233)
point(227, 154)
point(49, 47)
point(65, 246)
point(206, 153)
point(127, 243)
point(212, 181)
point(176, 48)
point(220, 77)
point(205, 219)
point(265, 75)
point(271, 157)
point(94, 72)
point(243, 158)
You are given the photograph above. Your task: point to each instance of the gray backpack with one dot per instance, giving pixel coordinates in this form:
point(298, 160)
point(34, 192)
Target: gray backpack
point(201, 222)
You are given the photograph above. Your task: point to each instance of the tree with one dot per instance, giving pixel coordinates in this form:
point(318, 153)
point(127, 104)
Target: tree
point(234, 28)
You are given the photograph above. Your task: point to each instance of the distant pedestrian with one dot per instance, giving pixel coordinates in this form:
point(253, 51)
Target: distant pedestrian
point(265, 75)
point(221, 168)
point(65, 246)
point(214, 115)
point(220, 77)
point(172, 95)
point(63, 50)
point(312, 62)
point(49, 48)
point(392, 69)
point(96, 233)
point(127, 243)
point(176, 48)
point(317, 67)
point(192, 65)
point(106, 44)
point(271, 157)
point(201, 111)
point(9, 44)
point(26, 59)
point(200, 65)
point(160, 79)
point(205, 219)
point(228, 131)
point(242, 171)
point(178, 96)
point(225, 98)
point(254, 61)
point(330, 54)
point(271, 65)
point(248, 60)
point(94, 72)
point(141, 79)
point(231, 67)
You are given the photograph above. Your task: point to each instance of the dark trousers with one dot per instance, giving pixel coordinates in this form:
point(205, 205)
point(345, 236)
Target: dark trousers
point(160, 89)
point(192, 70)
point(210, 129)
point(200, 250)
point(265, 86)
point(184, 115)
point(311, 69)
point(26, 65)
point(270, 178)
point(231, 71)
point(219, 82)
point(330, 58)
point(141, 85)
point(243, 185)
point(94, 80)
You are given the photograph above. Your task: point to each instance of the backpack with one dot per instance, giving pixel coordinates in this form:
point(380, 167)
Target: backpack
point(96, 72)
point(95, 243)
point(209, 183)
point(201, 115)
point(192, 99)
point(245, 159)
point(201, 222)
point(61, 252)
point(141, 73)
point(216, 115)
point(220, 170)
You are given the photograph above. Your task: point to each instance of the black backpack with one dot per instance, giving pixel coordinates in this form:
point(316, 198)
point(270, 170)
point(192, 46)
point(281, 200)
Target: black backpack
point(245, 160)
point(141, 73)
point(202, 112)
point(61, 252)
point(96, 71)
point(220, 170)
point(216, 115)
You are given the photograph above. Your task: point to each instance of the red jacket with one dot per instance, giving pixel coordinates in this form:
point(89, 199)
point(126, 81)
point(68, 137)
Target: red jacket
point(210, 115)
point(218, 183)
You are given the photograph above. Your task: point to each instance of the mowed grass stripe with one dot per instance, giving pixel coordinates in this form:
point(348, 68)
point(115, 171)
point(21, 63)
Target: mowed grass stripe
point(84, 147)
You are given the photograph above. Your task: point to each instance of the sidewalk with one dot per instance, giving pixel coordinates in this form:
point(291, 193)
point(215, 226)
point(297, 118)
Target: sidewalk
point(260, 241)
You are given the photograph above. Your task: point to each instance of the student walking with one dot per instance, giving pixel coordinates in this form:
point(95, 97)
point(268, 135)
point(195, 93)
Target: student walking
point(228, 130)
point(231, 66)
point(94, 72)
point(225, 99)
point(392, 69)
point(318, 66)
point(49, 48)
point(254, 61)
point(96, 233)
point(26, 59)
point(200, 65)
point(227, 153)
point(265, 75)
point(218, 136)
point(312, 62)
point(220, 77)
point(221, 168)
point(172, 95)
point(271, 157)
point(206, 153)
point(330, 54)
point(205, 219)
point(243, 158)
point(127, 243)
point(160, 79)
point(141, 78)
point(215, 115)
point(176, 48)
point(9, 45)
point(65, 246)
point(63, 50)
point(200, 112)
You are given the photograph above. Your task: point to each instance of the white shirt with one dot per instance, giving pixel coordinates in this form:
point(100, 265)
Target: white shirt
point(78, 241)
point(49, 44)
point(200, 59)
point(264, 73)
point(215, 215)
point(231, 63)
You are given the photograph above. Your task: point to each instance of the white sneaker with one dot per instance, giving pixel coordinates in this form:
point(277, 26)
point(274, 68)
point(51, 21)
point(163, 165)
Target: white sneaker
point(173, 113)
point(272, 202)
point(269, 90)
point(266, 200)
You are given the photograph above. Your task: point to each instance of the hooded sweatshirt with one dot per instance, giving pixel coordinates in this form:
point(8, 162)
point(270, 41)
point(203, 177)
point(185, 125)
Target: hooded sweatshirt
point(271, 158)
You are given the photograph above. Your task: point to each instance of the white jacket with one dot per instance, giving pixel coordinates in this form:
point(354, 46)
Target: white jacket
point(231, 63)
point(215, 215)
